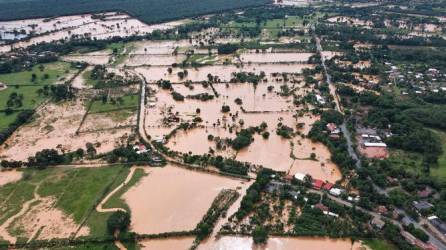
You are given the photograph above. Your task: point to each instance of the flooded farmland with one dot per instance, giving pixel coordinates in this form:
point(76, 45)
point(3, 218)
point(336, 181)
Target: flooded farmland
point(224, 72)
point(275, 243)
point(58, 128)
point(167, 200)
point(102, 26)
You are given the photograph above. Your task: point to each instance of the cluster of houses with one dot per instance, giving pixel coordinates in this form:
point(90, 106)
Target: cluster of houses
point(430, 80)
point(325, 186)
point(275, 186)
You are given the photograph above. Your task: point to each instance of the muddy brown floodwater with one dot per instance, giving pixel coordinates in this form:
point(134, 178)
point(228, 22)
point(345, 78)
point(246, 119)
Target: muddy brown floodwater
point(10, 176)
point(55, 127)
point(173, 199)
point(167, 244)
point(276, 243)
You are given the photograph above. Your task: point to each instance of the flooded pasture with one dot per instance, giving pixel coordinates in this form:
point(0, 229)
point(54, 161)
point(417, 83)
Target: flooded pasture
point(167, 244)
point(10, 177)
point(55, 127)
point(89, 25)
point(276, 243)
point(224, 72)
point(275, 57)
point(173, 199)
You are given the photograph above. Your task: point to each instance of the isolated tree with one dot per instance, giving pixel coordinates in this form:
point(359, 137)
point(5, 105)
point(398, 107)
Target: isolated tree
point(260, 235)
point(118, 221)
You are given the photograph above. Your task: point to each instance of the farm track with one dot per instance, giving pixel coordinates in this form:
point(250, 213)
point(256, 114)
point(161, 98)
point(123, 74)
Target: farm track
point(26, 206)
point(99, 207)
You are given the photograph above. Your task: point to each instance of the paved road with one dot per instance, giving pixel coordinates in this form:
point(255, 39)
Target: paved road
point(351, 151)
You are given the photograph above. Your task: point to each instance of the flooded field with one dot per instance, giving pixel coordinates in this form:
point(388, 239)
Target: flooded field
point(9, 177)
point(275, 57)
point(90, 58)
point(224, 72)
point(168, 200)
point(245, 243)
point(185, 141)
point(56, 127)
point(350, 20)
point(50, 221)
point(165, 47)
point(153, 60)
point(167, 244)
point(97, 26)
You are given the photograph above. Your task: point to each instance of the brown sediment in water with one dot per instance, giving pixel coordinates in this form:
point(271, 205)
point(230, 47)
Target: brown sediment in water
point(275, 57)
point(66, 27)
point(173, 199)
point(55, 127)
point(50, 221)
point(167, 244)
point(196, 141)
point(271, 153)
point(276, 243)
point(224, 72)
point(10, 176)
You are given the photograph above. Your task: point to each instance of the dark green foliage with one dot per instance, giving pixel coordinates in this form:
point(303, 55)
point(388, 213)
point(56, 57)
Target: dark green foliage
point(164, 84)
point(149, 11)
point(118, 221)
point(247, 77)
point(46, 157)
point(260, 235)
point(284, 131)
point(392, 233)
point(332, 116)
point(432, 117)
point(228, 48)
point(177, 96)
point(21, 119)
point(202, 97)
point(420, 234)
point(253, 193)
point(225, 109)
point(243, 139)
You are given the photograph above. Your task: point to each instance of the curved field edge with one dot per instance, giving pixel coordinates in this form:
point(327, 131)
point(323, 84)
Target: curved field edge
point(76, 190)
point(149, 11)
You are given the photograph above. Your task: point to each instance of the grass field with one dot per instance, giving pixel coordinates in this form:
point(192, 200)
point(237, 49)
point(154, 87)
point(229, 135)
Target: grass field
point(440, 171)
point(129, 102)
point(408, 160)
point(413, 162)
point(88, 80)
point(379, 244)
point(55, 71)
point(5, 119)
point(31, 98)
point(202, 59)
point(77, 191)
point(116, 201)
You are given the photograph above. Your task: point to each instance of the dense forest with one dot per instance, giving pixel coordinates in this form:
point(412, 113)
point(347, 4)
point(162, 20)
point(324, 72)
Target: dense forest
point(149, 11)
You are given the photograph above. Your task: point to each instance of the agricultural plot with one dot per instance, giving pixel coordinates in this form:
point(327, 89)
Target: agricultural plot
point(101, 26)
point(52, 203)
point(114, 113)
point(248, 104)
point(44, 74)
point(55, 127)
point(173, 211)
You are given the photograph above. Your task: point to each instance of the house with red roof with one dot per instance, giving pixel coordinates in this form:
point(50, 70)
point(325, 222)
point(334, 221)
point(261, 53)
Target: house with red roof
point(317, 184)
